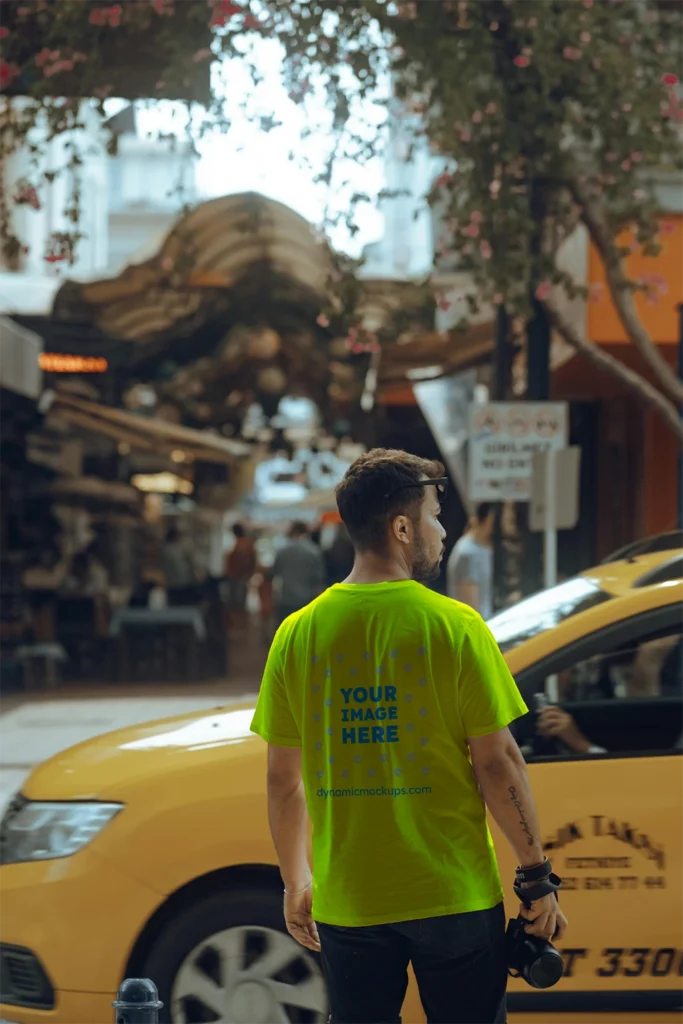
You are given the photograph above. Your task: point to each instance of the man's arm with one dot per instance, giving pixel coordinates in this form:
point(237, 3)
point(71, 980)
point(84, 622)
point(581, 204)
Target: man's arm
point(463, 585)
point(288, 818)
point(467, 592)
point(502, 776)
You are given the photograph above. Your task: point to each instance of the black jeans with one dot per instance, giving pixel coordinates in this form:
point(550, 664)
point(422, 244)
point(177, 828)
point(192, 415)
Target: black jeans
point(459, 962)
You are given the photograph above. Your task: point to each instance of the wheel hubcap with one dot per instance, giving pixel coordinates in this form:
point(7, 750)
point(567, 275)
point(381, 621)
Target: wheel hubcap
point(249, 975)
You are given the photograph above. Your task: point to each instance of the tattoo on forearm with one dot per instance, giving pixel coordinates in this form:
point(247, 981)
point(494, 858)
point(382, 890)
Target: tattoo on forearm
point(516, 803)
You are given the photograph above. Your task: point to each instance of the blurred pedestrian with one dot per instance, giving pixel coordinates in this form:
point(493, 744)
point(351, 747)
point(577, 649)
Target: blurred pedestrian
point(469, 574)
point(339, 557)
point(298, 572)
point(181, 584)
point(240, 566)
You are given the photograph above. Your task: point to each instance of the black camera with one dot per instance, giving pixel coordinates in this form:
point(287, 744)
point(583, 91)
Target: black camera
point(529, 957)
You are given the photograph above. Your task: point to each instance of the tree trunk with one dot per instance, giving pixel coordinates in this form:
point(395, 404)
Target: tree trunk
point(634, 381)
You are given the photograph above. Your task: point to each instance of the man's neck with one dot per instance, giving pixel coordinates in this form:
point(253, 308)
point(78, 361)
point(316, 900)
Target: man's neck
point(369, 567)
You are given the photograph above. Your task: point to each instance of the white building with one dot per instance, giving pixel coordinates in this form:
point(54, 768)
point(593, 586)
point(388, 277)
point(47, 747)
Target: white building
point(128, 202)
point(148, 180)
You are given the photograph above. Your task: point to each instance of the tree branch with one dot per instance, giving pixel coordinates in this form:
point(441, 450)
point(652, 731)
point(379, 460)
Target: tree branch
point(634, 381)
point(622, 294)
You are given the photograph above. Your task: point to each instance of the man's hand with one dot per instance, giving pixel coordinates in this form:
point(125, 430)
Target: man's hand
point(299, 921)
point(557, 723)
point(545, 918)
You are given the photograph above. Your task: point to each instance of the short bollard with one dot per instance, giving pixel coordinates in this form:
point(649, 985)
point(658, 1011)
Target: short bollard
point(138, 1002)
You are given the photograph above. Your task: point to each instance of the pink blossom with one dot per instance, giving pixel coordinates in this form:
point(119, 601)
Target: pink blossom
point(636, 157)
point(106, 15)
point(27, 196)
point(465, 136)
point(521, 61)
point(597, 63)
point(493, 27)
point(203, 54)
point(667, 227)
point(595, 292)
point(585, 37)
point(251, 22)
point(4, 32)
point(588, 3)
point(572, 53)
point(163, 8)
point(443, 180)
point(669, 79)
point(491, 108)
point(476, 217)
point(322, 320)
point(222, 11)
point(477, 117)
point(167, 264)
point(543, 291)
point(472, 230)
point(59, 66)
point(8, 72)
point(467, 249)
point(532, 23)
point(626, 165)
point(627, 107)
point(46, 55)
point(444, 303)
point(498, 299)
point(639, 193)
point(485, 249)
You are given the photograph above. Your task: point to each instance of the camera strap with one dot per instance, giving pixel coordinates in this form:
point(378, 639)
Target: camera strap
point(543, 887)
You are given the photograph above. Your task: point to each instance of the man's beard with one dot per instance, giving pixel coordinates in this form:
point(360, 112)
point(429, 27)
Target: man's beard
point(424, 570)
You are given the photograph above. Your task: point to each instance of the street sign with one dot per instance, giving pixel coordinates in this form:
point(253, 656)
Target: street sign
point(504, 436)
point(564, 501)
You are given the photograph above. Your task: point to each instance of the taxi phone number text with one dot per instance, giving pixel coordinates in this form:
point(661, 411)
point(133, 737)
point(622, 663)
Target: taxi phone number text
point(627, 963)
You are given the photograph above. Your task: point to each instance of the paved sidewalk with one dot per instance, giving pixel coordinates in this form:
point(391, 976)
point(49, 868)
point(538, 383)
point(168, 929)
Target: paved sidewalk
point(37, 725)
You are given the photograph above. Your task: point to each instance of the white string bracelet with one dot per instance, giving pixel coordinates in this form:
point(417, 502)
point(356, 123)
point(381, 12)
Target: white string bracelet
point(298, 892)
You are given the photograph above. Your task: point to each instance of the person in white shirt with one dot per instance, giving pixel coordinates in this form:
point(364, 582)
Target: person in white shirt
point(469, 575)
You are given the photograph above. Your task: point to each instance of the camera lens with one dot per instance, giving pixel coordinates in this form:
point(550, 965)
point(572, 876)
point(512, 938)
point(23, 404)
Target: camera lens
point(546, 971)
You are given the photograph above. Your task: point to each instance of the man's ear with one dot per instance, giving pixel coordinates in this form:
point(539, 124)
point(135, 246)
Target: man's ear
point(400, 528)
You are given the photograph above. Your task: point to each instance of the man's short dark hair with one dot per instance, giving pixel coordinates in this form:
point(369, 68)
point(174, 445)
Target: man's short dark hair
point(380, 485)
point(238, 530)
point(298, 529)
point(483, 511)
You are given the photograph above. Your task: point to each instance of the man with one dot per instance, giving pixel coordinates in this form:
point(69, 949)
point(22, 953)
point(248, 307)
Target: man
point(470, 568)
point(240, 566)
point(298, 572)
point(378, 701)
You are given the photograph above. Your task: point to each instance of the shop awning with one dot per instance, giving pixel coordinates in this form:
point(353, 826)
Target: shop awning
point(147, 433)
point(199, 269)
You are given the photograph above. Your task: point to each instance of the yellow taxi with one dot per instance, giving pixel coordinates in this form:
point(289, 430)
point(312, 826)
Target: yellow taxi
point(146, 852)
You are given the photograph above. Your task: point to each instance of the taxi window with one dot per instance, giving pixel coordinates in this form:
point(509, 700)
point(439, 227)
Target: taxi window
point(545, 610)
point(625, 699)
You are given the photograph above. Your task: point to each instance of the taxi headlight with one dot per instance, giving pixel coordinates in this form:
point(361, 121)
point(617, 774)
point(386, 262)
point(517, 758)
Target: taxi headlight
point(32, 830)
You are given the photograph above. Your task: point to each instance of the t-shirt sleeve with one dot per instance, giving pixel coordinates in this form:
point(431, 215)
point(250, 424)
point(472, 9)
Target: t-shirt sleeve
point(488, 696)
point(466, 569)
point(273, 719)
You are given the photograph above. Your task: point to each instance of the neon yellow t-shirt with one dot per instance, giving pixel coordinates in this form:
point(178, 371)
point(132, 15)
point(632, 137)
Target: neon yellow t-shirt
point(380, 684)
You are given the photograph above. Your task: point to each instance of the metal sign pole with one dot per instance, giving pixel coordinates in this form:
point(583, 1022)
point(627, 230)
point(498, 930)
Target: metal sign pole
point(550, 533)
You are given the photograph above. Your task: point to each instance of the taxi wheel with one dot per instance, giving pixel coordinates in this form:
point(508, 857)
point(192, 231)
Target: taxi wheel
point(228, 958)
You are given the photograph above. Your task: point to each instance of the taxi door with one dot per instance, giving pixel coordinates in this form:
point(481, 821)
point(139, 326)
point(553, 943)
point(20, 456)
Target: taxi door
point(612, 826)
